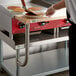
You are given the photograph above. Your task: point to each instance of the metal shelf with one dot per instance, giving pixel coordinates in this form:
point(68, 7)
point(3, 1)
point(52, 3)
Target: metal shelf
point(41, 64)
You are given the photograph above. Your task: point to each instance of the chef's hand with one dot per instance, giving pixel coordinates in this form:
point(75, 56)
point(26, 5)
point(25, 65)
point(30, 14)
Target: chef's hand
point(50, 11)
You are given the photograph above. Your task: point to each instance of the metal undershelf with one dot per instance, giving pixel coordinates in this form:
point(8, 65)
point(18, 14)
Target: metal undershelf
point(41, 64)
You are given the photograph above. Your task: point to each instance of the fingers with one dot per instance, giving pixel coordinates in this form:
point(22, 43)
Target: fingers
point(50, 11)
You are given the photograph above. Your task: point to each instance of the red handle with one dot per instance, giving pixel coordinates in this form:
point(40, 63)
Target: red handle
point(23, 3)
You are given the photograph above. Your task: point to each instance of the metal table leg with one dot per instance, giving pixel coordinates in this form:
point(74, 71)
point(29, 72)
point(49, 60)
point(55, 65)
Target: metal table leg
point(66, 48)
point(17, 66)
point(1, 54)
point(54, 32)
point(57, 31)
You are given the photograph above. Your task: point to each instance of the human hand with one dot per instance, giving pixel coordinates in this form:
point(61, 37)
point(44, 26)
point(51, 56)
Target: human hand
point(50, 11)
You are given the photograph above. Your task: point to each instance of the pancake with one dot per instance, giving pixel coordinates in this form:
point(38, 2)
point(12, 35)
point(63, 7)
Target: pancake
point(19, 10)
point(16, 8)
point(13, 7)
point(35, 8)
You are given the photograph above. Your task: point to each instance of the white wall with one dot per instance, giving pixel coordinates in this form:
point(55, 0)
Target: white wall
point(11, 2)
point(6, 2)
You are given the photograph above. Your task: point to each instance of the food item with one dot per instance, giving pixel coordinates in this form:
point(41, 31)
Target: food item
point(16, 8)
point(19, 10)
point(35, 8)
point(31, 10)
point(13, 7)
point(35, 11)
